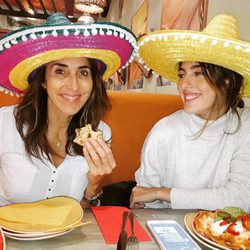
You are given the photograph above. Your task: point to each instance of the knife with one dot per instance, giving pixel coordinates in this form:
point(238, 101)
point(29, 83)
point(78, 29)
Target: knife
point(122, 242)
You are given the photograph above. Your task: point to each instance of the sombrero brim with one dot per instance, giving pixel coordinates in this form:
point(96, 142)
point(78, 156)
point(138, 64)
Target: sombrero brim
point(24, 50)
point(163, 50)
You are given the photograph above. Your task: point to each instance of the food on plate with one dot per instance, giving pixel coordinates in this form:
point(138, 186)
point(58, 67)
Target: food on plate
point(86, 132)
point(229, 227)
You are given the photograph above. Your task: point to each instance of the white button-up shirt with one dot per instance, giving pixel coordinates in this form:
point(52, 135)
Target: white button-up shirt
point(24, 179)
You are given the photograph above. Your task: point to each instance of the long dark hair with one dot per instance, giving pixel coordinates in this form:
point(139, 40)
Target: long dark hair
point(227, 85)
point(31, 114)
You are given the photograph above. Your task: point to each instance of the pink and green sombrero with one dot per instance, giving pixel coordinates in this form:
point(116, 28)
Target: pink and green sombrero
point(24, 50)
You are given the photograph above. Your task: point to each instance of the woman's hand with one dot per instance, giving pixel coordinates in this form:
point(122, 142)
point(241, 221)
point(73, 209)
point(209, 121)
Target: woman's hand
point(99, 156)
point(142, 195)
point(101, 162)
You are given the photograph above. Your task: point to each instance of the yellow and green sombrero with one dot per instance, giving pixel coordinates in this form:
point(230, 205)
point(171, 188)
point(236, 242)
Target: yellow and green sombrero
point(218, 43)
point(24, 50)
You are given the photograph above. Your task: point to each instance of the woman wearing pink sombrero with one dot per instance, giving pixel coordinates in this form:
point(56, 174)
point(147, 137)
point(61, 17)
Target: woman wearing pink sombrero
point(199, 157)
point(59, 68)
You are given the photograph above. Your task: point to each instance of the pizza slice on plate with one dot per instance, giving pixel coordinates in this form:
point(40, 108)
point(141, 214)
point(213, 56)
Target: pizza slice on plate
point(229, 227)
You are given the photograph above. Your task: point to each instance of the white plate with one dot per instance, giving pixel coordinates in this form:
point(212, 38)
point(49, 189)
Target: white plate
point(8, 232)
point(2, 239)
point(188, 220)
point(44, 237)
point(29, 235)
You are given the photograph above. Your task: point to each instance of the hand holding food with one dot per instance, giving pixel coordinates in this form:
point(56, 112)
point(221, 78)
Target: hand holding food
point(96, 152)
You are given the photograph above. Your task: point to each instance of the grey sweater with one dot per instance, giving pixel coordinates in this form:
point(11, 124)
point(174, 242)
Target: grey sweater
point(208, 172)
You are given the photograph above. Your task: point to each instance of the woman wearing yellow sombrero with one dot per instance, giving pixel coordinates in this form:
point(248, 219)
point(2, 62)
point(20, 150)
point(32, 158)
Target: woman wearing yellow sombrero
point(199, 157)
point(59, 68)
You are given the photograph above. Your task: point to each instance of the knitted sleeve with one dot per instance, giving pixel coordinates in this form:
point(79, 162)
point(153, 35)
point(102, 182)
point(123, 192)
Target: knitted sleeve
point(152, 171)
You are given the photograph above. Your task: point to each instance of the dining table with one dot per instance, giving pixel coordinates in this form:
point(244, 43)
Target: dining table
point(90, 237)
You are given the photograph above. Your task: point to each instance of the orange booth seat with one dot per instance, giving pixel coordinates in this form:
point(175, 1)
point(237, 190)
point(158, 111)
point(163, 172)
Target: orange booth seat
point(131, 118)
point(7, 99)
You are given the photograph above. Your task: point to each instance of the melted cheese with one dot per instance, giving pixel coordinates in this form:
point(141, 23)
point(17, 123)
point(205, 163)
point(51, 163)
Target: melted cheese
point(239, 227)
point(217, 229)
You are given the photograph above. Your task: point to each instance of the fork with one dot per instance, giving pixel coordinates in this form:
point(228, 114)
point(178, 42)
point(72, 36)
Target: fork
point(132, 242)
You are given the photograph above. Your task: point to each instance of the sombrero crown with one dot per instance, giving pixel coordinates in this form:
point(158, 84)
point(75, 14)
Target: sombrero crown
point(218, 44)
point(24, 50)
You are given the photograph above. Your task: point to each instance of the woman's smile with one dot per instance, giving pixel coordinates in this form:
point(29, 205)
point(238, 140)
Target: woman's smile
point(70, 98)
point(191, 96)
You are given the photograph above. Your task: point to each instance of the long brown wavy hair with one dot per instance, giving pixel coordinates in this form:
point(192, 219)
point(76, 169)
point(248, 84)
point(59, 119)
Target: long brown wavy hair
point(31, 114)
point(227, 85)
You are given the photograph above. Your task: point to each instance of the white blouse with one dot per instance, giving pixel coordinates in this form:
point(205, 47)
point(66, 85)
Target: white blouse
point(24, 179)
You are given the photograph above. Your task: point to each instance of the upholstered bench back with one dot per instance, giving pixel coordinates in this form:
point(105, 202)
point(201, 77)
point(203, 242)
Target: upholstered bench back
point(131, 118)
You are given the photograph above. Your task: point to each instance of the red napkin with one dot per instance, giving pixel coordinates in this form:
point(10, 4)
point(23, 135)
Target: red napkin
point(109, 219)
